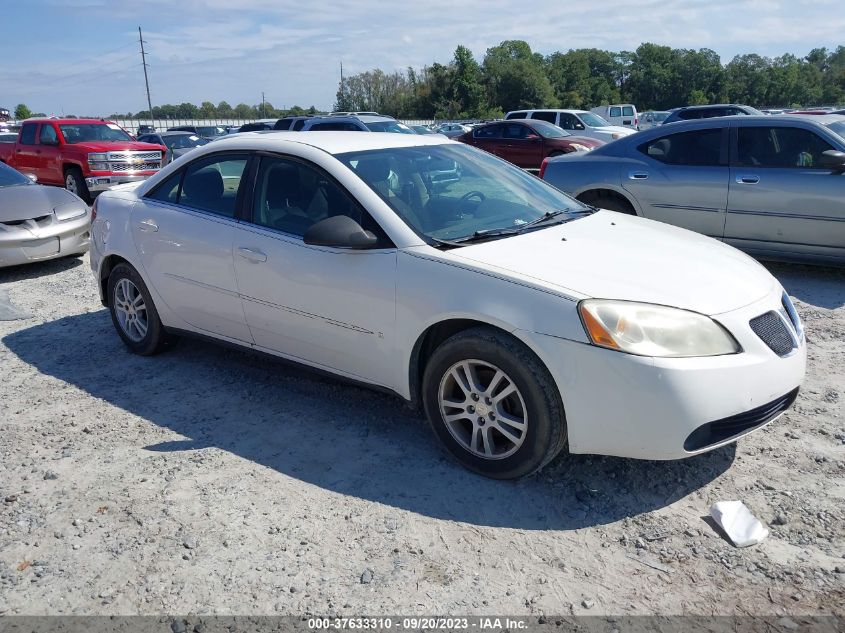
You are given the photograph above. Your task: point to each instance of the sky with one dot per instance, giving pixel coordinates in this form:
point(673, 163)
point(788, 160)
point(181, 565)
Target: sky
point(83, 57)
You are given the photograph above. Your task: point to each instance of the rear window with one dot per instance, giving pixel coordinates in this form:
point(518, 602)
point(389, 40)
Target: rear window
point(616, 111)
point(549, 117)
point(627, 111)
point(28, 134)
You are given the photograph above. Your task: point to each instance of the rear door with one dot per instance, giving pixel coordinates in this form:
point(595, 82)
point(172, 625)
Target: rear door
point(781, 200)
point(489, 138)
point(26, 156)
point(682, 179)
point(184, 230)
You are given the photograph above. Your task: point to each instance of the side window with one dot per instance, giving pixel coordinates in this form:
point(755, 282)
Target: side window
point(686, 115)
point(297, 125)
point(518, 115)
point(515, 131)
point(627, 111)
point(290, 196)
point(282, 124)
point(699, 148)
point(616, 111)
point(48, 135)
point(168, 191)
point(28, 134)
point(780, 147)
point(212, 184)
point(545, 116)
point(332, 126)
point(488, 131)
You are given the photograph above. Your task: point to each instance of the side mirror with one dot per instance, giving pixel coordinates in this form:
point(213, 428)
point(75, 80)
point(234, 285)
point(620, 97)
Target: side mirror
point(833, 160)
point(340, 231)
point(532, 137)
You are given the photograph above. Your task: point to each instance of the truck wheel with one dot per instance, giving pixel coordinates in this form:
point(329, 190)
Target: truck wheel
point(75, 183)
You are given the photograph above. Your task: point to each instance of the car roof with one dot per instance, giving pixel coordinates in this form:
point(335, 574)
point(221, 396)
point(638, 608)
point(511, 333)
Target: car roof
point(331, 142)
point(711, 105)
point(65, 120)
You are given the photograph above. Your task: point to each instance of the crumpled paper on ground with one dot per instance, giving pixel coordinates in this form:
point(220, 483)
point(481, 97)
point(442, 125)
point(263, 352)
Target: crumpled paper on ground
point(742, 527)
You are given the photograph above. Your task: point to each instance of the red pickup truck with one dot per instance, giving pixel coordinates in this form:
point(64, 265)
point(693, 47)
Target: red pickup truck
point(85, 156)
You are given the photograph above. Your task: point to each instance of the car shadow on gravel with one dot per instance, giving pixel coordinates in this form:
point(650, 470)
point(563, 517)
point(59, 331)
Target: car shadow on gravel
point(339, 437)
point(39, 269)
point(814, 285)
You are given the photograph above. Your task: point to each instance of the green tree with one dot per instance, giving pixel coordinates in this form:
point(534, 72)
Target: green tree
point(22, 112)
point(467, 87)
point(224, 110)
point(207, 110)
point(516, 78)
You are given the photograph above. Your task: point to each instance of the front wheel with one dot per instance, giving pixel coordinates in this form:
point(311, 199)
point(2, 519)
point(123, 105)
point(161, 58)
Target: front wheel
point(493, 404)
point(133, 313)
point(75, 183)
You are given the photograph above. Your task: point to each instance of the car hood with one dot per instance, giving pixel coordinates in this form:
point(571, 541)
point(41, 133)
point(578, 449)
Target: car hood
point(609, 255)
point(614, 129)
point(24, 202)
point(115, 146)
point(586, 141)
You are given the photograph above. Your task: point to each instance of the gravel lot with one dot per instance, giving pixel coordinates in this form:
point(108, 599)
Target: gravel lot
point(207, 480)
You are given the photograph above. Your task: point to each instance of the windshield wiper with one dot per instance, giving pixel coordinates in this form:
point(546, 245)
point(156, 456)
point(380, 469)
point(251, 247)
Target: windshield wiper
point(486, 234)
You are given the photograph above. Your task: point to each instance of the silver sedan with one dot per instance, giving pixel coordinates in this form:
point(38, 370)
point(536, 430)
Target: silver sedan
point(773, 186)
point(38, 222)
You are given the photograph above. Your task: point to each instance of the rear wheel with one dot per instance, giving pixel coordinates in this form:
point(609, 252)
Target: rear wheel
point(75, 183)
point(608, 200)
point(133, 313)
point(493, 404)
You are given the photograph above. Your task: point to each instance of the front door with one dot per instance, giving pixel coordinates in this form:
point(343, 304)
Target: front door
point(329, 307)
point(522, 146)
point(682, 179)
point(781, 199)
point(184, 231)
point(49, 161)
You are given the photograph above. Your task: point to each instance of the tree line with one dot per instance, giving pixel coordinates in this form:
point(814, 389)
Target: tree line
point(511, 76)
point(207, 110)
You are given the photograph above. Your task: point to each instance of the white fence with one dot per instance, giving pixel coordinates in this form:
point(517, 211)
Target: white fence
point(131, 125)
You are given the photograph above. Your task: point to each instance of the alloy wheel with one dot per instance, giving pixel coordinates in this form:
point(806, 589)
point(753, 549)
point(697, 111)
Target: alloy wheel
point(483, 409)
point(130, 310)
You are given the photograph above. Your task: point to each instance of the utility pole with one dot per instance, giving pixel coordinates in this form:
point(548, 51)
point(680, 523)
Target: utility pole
point(342, 104)
point(263, 114)
point(146, 80)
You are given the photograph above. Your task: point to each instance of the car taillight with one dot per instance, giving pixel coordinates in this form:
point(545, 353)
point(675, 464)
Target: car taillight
point(543, 167)
point(636, 123)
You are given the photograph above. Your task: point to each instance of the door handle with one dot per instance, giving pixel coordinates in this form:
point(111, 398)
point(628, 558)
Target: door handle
point(252, 254)
point(747, 180)
point(638, 175)
point(148, 225)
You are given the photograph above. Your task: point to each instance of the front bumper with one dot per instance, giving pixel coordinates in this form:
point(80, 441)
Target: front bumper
point(23, 244)
point(97, 184)
point(649, 408)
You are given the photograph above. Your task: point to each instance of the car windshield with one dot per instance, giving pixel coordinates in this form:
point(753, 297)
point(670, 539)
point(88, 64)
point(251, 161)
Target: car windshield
point(210, 130)
point(659, 116)
point(838, 127)
point(450, 192)
point(10, 177)
point(548, 130)
point(86, 132)
point(181, 141)
point(592, 120)
point(389, 126)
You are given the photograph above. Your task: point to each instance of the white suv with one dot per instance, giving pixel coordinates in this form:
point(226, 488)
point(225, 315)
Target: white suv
point(585, 123)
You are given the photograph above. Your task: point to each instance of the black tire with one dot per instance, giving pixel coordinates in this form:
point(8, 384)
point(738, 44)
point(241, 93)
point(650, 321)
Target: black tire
point(75, 183)
point(609, 201)
point(156, 339)
point(545, 434)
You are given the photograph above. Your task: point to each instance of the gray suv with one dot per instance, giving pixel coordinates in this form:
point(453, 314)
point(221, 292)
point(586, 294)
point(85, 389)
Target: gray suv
point(773, 186)
point(710, 111)
point(362, 122)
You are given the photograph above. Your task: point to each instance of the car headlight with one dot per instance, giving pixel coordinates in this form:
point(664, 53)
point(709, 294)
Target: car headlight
point(645, 329)
point(580, 148)
point(98, 161)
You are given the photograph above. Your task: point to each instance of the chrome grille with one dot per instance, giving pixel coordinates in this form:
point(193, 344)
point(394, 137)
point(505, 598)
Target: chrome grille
point(120, 167)
point(134, 155)
point(773, 331)
point(134, 161)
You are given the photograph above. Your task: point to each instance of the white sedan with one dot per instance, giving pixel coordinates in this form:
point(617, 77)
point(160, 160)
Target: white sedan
point(522, 321)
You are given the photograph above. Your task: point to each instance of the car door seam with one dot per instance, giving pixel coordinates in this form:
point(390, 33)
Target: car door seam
point(329, 320)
